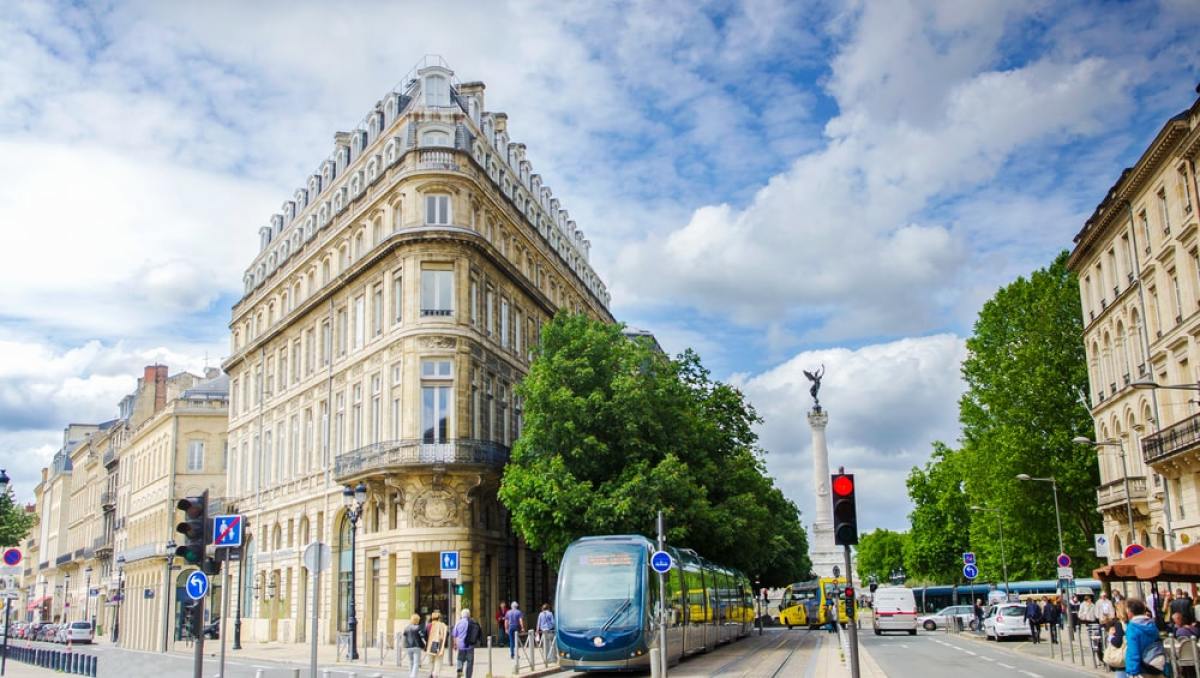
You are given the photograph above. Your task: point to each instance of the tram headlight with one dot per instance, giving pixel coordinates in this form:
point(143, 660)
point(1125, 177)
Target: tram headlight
point(598, 641)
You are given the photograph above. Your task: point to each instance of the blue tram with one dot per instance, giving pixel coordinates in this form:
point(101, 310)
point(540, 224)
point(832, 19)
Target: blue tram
point(608, 594)
point(933, 598)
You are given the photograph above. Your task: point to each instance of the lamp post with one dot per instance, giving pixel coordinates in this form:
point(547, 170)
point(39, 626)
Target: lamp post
point(42, 604)
point(66, 610)
point(1003, 557)
point(8, 603)
point(1120, 445)
point(116, 634)
point(354, 500)
point(87, 592)
point(167, 592)
point(237, 620)
point(1054, 488)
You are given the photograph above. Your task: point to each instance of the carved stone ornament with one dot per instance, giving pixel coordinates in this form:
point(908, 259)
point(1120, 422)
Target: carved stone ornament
point(438, 342)
point(435, 508)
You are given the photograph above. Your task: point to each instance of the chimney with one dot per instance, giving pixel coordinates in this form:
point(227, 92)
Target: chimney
point(473, 90)
point(500, 120)
point(156, 375)
point(211, 373)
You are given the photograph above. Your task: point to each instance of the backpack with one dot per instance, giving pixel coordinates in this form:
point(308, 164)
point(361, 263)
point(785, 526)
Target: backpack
point(474, 633)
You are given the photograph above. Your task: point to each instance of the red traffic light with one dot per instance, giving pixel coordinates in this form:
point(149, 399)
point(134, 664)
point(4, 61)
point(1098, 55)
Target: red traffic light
point(843, 486)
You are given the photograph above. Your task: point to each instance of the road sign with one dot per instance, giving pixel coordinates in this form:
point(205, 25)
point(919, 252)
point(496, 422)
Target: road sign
point(1063, 560)
point(227, 531)
point(969, 558)
point(147, 593)
point(661, 562)
point(1132, 550)
point(1065, 572)
point(317, 556)
point(970, 571)
point(93, 592)
point(1100, 542)
point(12, 557)
point(449, 560)
point(197, 585)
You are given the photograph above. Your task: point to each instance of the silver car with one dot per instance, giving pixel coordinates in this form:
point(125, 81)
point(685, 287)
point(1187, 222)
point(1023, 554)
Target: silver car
point(1006, 620)
point(80, 632)
point(943, 618)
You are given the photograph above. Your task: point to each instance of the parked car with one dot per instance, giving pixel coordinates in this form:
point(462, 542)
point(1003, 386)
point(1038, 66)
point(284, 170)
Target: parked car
point(943, 618)
point(894, 609)
point(1006, 620)
point(212, 630)
point(47, 632)
point(80, 632)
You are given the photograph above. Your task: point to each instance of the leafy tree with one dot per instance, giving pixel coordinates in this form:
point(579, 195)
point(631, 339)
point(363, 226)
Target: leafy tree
point(879, 553)
point(15, 522)
point(941, 518)
point(615, 431)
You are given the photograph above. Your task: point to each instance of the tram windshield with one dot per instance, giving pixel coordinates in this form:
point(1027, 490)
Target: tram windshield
point(599, 587)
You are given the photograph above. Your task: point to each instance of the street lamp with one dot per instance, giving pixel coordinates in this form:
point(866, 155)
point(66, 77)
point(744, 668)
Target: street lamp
point(1003, 557)
point(354, 500)
point(66, 597)
point(167, 592)
point(1150, 385)
point(116, 635)
point(1054, 487)
point(42, 603)
point(87, 593)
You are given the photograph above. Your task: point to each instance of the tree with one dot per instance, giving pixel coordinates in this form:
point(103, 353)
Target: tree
point(940, 519)
point(615, 430)
point(15, 522)
point(880, 553)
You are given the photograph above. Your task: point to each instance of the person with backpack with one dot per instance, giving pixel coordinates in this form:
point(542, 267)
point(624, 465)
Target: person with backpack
point(1144, 652)
point(467, 636)
point(414, 644)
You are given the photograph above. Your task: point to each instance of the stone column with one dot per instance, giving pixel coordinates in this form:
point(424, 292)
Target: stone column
point(818, 420)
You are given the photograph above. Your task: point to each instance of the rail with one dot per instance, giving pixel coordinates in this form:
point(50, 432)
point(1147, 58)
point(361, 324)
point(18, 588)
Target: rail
point(393, 453)
point(1171, 440)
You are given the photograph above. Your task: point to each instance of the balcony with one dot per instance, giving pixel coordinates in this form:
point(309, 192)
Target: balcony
point(444, 312)
point(1172, 440)
point(401, 454)
point(102, 547)
point(110, 455)
point(63, 559)
point(1112, 494)
point(108, 500)
point(437, 160)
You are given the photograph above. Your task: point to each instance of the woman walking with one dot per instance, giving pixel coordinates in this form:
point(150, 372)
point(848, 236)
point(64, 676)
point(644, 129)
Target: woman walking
point(435, 643)
point(414, 644)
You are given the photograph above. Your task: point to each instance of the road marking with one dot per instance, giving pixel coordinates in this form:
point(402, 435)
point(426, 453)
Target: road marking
point(971, 653)
point(1031, 674)
point(987, 658)
point(1007, 666)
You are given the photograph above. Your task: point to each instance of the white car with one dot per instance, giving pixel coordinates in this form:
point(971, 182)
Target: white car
point(943, 618)
point(79, 632)
point(894, 609)
point(1006, 620)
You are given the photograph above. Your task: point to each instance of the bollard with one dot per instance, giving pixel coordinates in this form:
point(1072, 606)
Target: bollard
point(258, 673)
point(295, 673)
point(489, 670)
point(324, 673)
point(352, 675)
point(655, 663)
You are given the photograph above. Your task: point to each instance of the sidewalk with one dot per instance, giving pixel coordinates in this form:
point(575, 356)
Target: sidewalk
point(831, 663)
point(370, 662)
point(1042, 652)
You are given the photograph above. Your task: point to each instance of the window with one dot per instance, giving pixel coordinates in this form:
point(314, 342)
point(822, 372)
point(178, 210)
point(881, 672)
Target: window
point(435, 400)
point(233, 397)
point(326, 342)
point(517, 330)
point(310, 351)
point(377, 311)
point(308, 439)
point(437, 292)
point(270, 383)
point(437, 91)
point(339, 423)
point(1178, 297)
point(360, 321)
point(356, 422)
point(296, 361)
point(398, 298)
point(283, 369)
point(1185, 192)
point(435, 139)
point(437, 210)
point(489, 305)
point(376, 408)
point(1164, 215)
point(504, 323)
point(1144, 220)
point(474, 301)
point(343, 328)
point(195, 456)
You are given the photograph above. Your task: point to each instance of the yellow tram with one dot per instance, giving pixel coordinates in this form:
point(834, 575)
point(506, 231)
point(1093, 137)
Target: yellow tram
point(807, 603)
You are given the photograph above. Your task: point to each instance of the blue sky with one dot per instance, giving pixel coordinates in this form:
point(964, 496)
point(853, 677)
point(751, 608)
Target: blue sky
point(777, 184)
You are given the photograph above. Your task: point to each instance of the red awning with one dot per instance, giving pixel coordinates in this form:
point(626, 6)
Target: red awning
point(36, 602)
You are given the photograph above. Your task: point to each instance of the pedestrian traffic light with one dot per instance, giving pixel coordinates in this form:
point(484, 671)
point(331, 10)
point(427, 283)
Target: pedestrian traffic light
point(212, 566)
point(193, 528)
point(460, 589)
point(845, 516)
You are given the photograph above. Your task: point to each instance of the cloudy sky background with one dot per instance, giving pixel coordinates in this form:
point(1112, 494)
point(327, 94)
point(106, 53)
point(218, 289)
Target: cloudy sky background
point(776, 184)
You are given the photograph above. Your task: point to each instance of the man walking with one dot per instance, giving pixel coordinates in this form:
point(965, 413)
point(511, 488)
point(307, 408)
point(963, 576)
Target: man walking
point(1051, 616)
point(514, 625)
point(545, 630)
point(467, 635)
point(1105, 612)
point(977, 611)
point(1033, 616)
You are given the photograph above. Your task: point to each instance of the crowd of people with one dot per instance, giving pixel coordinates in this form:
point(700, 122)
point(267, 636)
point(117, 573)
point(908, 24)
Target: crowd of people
point(426, 644)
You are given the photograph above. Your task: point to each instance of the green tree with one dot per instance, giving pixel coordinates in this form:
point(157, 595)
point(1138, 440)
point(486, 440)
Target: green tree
point(880, 553)
point(940, 519)
point(615, 431)
point(15, 522)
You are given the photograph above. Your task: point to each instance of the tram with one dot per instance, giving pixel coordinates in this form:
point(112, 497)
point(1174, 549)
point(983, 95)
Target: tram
point(608, 594)
point(807, 603)
point(933, 598)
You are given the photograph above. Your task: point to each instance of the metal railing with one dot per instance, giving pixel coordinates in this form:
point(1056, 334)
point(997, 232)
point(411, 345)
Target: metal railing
point(1113, 492)
point(378, 456)
point(1171, 440)
point(110, 455)
point(64, 558)
point(436, 312)
point(436, 160)
point(108, 499)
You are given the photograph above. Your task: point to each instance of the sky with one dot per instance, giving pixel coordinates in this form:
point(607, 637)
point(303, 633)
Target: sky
point(779, 185)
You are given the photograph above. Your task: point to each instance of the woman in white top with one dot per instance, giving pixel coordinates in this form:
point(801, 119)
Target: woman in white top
point(435, 643)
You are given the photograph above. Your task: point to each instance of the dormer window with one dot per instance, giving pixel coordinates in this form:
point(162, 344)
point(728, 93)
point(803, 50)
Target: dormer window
point(435, 138)
point(437, 91)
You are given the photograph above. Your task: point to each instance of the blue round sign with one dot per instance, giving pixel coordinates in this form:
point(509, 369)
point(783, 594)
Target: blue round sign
point(12, 557)
point(197, 585)
point(970, 571)
point(661, 562)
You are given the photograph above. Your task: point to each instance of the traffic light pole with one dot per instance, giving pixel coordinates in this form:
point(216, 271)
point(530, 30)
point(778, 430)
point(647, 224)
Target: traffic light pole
point(198, 631)
point(851, 627)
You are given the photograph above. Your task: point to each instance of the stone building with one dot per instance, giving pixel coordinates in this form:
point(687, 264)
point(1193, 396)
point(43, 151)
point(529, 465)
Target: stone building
point(1138, 263)
point(392, 307)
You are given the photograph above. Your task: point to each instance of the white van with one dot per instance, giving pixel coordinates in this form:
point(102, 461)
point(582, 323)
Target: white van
point(894, 609)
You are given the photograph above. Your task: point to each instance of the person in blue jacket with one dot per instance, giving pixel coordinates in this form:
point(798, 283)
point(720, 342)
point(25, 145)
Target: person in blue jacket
point(1140, 633)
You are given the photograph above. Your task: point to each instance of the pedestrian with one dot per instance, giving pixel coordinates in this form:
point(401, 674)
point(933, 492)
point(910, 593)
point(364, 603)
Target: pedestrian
point(435, 642)
point(1073, 613)
point(831, 616)
point(467, 636)
point(1105, 610)
point(1033, 616)
point(414, 644)
point(1182, 628)
point(1051, 617)
point(1087, 611)
point(977, 612)
point(545, 630)
point(1144, 654)
point(1113, 652)
point(514, 625)
point(1183, 605)
point(501, 615)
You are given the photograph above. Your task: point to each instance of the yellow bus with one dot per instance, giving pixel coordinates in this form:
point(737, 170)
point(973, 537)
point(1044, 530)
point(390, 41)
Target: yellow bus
point(807, 603)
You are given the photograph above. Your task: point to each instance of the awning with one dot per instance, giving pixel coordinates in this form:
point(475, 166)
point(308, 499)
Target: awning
point(1126, 568)
point(1182, 565)
point(36, 602)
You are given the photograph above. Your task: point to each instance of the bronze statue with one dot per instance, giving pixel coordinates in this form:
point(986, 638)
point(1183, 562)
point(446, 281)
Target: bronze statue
point(816, 385)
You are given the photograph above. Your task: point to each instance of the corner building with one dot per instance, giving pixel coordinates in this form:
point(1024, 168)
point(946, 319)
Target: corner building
point(1138, 263)
point(393, 305)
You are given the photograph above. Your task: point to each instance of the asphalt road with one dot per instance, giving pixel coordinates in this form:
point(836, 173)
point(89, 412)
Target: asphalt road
point(936, 655)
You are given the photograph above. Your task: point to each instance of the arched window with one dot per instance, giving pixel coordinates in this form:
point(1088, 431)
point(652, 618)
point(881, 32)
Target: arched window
point(345, 558)
point(360, 245)
point(435, 138)
point(1125, 358)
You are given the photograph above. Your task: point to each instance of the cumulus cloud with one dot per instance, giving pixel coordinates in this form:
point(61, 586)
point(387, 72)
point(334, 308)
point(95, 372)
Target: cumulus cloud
point(886, 403)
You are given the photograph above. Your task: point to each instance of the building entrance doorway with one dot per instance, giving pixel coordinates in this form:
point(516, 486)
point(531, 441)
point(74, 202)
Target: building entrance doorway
point(432, 595)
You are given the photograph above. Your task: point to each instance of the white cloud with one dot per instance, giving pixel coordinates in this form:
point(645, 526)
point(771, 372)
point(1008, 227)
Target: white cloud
point(886, 403)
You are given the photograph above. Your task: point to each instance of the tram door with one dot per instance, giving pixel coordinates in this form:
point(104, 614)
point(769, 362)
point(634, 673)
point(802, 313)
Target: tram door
point(432, 595)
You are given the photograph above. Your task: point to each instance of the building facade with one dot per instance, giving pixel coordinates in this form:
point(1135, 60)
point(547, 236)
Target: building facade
point(393, 306)
point(1138, 263)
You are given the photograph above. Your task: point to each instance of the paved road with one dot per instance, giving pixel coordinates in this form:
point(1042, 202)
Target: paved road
point(934, 655)
point(778, 653)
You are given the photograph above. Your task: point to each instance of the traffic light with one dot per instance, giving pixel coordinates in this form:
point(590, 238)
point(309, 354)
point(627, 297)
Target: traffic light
point(194, 528)
point(212, 566)
point(460, 589)
point(848, 596)
point(845, 516)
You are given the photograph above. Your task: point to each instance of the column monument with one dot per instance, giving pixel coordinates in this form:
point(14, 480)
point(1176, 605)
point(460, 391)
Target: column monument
point(821, 549)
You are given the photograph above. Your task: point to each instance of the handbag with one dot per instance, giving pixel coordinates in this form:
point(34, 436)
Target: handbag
point(1114, 657)
point(435, 647)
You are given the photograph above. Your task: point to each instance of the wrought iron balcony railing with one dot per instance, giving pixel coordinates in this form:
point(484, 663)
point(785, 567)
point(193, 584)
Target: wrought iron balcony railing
point(407, 453)
point(1172, 440)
